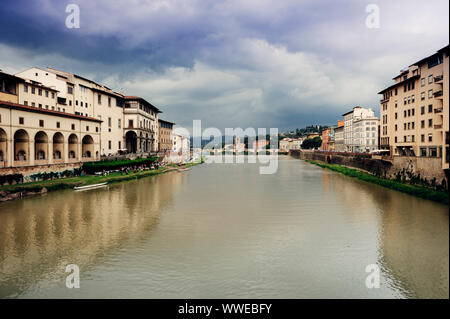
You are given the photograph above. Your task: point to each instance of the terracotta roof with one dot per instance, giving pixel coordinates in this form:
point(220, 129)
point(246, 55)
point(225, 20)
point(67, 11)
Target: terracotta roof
point(45, 111)
point(128, 97)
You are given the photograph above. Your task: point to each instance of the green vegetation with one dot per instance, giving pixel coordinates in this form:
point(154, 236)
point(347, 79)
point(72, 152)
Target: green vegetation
point(310, 143)
point(93, 167)
point(69, 183)
point(419, 191)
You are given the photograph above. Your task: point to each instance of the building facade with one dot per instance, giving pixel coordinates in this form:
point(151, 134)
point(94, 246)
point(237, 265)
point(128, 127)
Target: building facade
point(365, 135)
point(141, 130)
point(339, 139)
point(352, 133)
point(414, 111)
point(325, 139)
point(165, 135)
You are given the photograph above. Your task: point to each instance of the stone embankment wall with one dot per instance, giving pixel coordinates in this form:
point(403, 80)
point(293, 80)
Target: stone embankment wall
point(30, 170)
point(416, 170)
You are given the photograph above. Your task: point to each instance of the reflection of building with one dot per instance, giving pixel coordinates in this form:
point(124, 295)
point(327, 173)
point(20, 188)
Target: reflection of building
point(78, 227)
point(165, 135)
point(414, 110)
point(351, 131)
point(33, 133)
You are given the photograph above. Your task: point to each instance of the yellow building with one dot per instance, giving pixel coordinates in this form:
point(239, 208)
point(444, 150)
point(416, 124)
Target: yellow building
point(165, 135)
point(414, 111)
point(33, 133)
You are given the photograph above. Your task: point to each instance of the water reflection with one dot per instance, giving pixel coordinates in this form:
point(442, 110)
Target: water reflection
point(39, 236)
point(413, 235)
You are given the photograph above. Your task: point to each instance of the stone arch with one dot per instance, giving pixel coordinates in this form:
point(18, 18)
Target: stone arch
point(131, 141)
point(58, 145)
point(87, 146)
point(21, 145)
point(73, 146)
point(41, 146)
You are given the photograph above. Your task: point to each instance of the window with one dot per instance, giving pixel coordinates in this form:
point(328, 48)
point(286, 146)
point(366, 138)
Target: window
point(422, 81)
point(109, 101)
point(412, 112)
point(413, 137)
point(58, 125)
point(404, 101)
point(109, 145)
point(21, 121)
point(430, 94)
point(430, 79)
point(395, 127)
point(130, 123)
point(70, 89)
point(412, 125)
point(46, 93)
point(73, 126)
point(87, 128)
point(53, 95)
point(76, 102)
point(40, 105)
point(430, 108)
point(99, 99)
point(41, 123)
point(81, 103)
point(423, 151)
point(119, 124)
point(404, 138)
point(395, 91)
point(25, 88)
point(422, 138)
point(422, 96)
point(96, 129)
point(25, 102)
point(430, 122)
point(40, 91)
point(422, 110)
point(433, 152)
point(109, 122)
point(430, 137)
point(120, 145)
point(395, 115)
point(396, 139)
point(33, 104)
point(412, 98)
point(70, 102)
point(33, 90)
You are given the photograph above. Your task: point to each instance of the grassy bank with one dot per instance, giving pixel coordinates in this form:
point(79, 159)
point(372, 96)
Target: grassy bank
point(422, 192)
point(69, 183)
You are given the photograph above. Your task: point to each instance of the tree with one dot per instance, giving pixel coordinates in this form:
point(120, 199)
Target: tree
point(310, 143)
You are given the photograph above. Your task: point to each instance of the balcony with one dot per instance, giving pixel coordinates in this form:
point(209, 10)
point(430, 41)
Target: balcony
point(384, 100)
point(438, 93)
point(437, 126)
point(8, 97)
point(438, 110)
point(438, 78)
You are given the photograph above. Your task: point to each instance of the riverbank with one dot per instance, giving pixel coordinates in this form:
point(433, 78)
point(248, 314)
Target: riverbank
point(422, 192)
point(11, 192)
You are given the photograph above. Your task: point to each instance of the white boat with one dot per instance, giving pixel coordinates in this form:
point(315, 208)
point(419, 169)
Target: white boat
point(79, 188)
point(183, 169)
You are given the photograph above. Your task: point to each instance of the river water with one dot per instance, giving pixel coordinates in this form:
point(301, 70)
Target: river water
point(225, 231)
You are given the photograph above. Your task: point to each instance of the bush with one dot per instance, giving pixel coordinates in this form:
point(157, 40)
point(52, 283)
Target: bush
point(106, 165)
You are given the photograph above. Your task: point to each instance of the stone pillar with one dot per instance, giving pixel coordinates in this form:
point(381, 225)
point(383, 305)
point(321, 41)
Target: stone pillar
point(65, 154)
point(31, 151)
point(10, 152)
point(50, 152)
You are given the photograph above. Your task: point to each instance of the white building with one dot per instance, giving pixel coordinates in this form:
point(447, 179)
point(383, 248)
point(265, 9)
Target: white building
point(365, 135)
point(356, 114)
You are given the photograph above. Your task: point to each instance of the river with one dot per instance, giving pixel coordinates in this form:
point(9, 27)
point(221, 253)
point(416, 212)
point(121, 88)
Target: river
point(225, 231)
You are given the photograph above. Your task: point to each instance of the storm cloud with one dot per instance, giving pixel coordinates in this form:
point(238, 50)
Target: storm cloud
point(259, 63)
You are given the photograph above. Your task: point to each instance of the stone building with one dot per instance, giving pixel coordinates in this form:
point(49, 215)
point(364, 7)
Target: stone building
point(414, 111)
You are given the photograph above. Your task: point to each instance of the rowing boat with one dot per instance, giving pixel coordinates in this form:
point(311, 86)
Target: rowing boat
point(79, 188)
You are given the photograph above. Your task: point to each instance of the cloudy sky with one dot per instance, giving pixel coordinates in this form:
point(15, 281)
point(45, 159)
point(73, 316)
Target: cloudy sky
point(230, 63)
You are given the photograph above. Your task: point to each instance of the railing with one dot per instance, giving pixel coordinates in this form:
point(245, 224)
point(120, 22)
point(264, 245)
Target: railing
point(384, 100)
point(438, 110)
point(438, 126)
